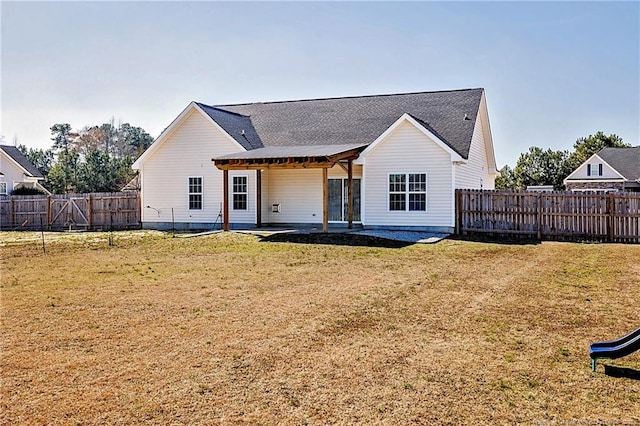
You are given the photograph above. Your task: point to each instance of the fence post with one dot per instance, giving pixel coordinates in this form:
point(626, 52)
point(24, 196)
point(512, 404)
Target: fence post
point(90, 212)
point(11, 212)
point(139, 207)
point(611, 206)
point(458, 212)
point(49, 208)
point(539, 215)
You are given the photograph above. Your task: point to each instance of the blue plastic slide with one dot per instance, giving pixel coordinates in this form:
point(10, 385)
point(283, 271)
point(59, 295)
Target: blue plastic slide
point(613, 349)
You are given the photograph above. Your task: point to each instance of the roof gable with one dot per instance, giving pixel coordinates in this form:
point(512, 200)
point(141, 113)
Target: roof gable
point(21, 161)
point(175, 124)
point(455, 156)
point(449, 115)
point(581, 172)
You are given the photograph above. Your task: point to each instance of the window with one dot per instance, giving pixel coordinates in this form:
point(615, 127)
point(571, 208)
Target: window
point(594, 169)
point(418, 192)
point(195, 193)
point(240, 193)
point(408, 192)
point(397, 192)
point(3, 188)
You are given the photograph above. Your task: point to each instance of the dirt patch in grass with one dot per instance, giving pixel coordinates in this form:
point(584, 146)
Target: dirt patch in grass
point(226, 329)
point(339, 239)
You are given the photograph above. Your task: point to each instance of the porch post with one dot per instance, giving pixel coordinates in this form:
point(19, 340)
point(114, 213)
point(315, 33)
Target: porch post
point(225, 196)
point(350, 197)
point(258, 198)
point(325, 199)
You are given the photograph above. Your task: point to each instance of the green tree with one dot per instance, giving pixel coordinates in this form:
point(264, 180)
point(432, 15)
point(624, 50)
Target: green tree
point(95, 159)
point(133, 141)
point(585, 147)
point(109, 137)
point(540, 167)
point(61, 137)
point(98, 172)
point(506, 179)
point(63, 176)
point(125, 172)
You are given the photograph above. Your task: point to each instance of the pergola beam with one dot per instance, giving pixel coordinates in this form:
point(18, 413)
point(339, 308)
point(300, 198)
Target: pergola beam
point(285, 162)
point(271, 166)
point(342, 166)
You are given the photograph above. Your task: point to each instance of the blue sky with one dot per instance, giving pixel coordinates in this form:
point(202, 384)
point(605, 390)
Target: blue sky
point(553, 71)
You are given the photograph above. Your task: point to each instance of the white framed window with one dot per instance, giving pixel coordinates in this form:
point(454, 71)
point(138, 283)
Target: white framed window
point(240, 192)
point(594, 169)
point(397, 192)
point(417, 192)
point(195, 193)
point(3, 188)
point(408, 192)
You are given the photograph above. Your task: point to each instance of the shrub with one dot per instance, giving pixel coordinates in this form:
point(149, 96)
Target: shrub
point(25, 190)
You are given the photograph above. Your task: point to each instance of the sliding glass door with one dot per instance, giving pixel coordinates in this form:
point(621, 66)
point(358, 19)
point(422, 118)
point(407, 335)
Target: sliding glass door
point(339, 199)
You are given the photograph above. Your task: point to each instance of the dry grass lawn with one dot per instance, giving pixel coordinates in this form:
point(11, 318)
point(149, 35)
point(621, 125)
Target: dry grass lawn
point(228, 329)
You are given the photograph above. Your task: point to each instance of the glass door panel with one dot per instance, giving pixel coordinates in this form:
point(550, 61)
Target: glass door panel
point(356, 200)
point(335, 200)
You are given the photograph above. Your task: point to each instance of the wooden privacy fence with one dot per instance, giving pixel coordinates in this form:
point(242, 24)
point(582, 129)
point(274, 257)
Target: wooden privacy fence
point(95, 211)
point(613, 217)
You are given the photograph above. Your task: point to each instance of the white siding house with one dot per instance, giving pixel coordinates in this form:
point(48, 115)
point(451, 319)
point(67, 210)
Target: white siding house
point(476, 172)
point(408, 153)
point(389, 157)
point(17, 171)
point(298, 193)
point(185, 152)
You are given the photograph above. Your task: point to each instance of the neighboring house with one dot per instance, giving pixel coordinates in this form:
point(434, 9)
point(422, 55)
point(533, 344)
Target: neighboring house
point(612, 169)
point(17, 171)
point(289, 162)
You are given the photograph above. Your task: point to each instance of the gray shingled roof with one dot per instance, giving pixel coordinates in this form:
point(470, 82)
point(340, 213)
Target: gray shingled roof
point(350, 120)
point(237, 125)
point(24, 162)
point(626, 161)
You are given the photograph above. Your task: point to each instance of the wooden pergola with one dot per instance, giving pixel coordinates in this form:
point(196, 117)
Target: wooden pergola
point(294, 157)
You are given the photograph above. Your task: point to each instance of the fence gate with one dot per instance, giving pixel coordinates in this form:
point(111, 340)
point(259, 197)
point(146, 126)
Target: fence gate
point(69, 213)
